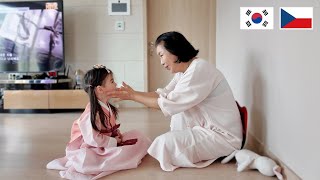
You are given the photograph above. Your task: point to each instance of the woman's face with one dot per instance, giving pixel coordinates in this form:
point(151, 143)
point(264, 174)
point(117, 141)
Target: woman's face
point(167, 59)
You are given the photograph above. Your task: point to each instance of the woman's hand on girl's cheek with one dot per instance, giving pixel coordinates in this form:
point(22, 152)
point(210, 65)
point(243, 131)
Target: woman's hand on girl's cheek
point(128, 91)
point(126, 87)
point(121, 94)
point(111, 93)
point(125, 92)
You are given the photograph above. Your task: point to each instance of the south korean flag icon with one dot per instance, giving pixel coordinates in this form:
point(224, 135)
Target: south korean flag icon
point(256, 18)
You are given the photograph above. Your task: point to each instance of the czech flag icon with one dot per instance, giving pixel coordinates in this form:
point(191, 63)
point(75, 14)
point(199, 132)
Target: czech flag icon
point(296, 18)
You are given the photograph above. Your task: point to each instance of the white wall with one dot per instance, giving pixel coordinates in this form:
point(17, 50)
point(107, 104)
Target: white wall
point(276, 75)
point(90, 38)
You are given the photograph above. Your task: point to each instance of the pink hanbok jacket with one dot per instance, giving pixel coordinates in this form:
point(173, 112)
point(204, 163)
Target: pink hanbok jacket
point(92, 155)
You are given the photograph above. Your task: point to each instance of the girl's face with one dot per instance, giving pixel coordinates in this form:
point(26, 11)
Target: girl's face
point(108, 83)
point(167, 59)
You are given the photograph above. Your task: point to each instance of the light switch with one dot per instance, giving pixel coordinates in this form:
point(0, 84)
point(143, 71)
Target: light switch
point(119, 26)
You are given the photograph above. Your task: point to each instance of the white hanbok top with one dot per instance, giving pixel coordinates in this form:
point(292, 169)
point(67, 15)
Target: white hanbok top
point(201, 96)
point(205, 121)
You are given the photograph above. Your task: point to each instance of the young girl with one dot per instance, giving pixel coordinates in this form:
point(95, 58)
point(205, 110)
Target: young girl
point(97, 147)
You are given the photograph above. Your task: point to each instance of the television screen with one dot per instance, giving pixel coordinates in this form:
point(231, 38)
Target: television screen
point(31, 36)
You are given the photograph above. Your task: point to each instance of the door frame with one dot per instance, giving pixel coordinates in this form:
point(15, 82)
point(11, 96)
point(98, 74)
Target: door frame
point(145, 45)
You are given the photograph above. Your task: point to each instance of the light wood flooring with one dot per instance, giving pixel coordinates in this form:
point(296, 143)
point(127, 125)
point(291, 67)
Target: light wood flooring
point(29, 141)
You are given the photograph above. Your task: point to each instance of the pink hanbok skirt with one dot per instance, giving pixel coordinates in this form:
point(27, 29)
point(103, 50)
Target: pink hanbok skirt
point(86, 162)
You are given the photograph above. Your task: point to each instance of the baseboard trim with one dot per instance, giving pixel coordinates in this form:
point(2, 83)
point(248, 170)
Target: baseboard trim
point(256, 146)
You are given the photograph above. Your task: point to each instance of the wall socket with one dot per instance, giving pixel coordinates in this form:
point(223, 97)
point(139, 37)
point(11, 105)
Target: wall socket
point(119, 26)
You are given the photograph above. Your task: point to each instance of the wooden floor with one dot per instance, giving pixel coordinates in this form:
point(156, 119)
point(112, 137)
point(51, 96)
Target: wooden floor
point(29, 141)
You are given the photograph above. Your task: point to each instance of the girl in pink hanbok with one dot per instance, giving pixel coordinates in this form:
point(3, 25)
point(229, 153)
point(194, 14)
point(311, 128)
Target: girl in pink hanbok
point(97, 147)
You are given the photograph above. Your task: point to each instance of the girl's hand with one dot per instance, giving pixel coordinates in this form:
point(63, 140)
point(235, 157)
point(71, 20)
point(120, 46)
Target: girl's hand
point(128, 142)
point(120, 135)
point(119, 140)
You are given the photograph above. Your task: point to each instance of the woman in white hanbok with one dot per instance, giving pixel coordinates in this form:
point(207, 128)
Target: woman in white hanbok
point(205, 120)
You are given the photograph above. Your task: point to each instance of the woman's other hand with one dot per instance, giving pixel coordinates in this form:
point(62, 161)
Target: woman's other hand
point(129, 91)
point(124, 93)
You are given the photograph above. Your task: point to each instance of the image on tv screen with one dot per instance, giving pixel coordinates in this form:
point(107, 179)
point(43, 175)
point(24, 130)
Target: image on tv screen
point(31, 36)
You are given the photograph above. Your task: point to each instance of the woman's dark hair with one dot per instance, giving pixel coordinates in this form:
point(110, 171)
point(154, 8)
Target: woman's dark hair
point(93, 78)
point(178, 45)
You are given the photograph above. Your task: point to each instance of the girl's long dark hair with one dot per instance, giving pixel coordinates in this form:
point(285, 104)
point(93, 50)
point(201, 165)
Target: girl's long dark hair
point(92, 79)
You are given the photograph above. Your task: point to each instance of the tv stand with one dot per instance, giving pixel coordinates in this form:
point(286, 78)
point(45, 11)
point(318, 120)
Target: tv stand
point(35, 81)
point(44, 94)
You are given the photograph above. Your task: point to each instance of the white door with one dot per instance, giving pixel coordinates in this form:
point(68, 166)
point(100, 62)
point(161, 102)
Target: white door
point(195, 19)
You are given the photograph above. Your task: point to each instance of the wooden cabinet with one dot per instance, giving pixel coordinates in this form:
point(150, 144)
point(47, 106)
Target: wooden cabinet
point(67, 99)
point(45, 99)
point(25, 99)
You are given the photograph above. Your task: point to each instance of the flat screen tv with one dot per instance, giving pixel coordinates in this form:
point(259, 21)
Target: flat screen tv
point(31, 36)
